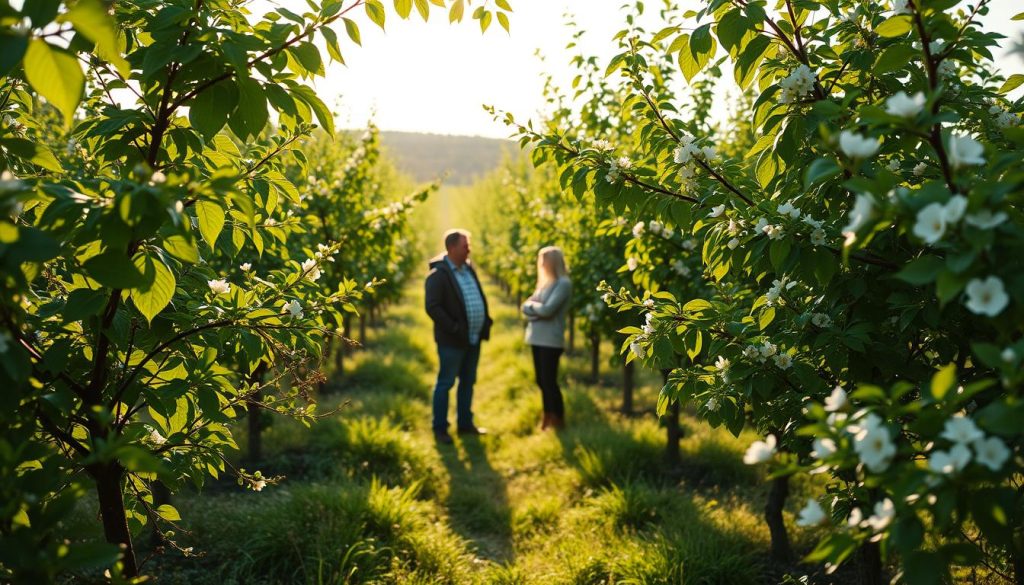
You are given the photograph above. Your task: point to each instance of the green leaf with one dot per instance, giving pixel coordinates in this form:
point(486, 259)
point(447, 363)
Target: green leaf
point(375, 10)
point(353, 31)
point(820, 169)
point(503, 21)
point(1012, 83)
point(766, 318)
point(211, 221)
point(181, 247)
point(893, 59)
point(56, 75)
point(504, 5)
point(91, 19)
point(423, 8)
point(456, 11)
point(309, 56)
point(894, 26)
point(168, 512)
point(152, 299)
point(115, 270)
point(33, 152)
point(323, 115)
point(12, 50)
point(250, 115)
point(209, 110)
point(921, 271)
point(943, 381)
point(403, 8)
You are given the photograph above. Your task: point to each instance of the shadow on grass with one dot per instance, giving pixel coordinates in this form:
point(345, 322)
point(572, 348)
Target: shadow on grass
point(477, 501)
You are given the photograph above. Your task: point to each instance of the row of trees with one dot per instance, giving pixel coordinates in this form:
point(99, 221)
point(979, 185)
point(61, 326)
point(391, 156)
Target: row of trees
point(169, 254)
point(847, 276)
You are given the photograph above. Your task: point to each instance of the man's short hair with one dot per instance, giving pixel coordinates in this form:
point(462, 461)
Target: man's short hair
point(452, 237)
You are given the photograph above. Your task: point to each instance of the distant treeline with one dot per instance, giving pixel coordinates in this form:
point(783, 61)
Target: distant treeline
point(427, 156)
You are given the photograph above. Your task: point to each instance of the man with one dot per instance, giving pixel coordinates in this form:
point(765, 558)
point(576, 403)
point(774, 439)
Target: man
point(456, 303)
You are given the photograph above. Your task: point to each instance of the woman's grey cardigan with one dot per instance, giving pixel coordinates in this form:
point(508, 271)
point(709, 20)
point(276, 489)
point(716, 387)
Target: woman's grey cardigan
point(545, 311)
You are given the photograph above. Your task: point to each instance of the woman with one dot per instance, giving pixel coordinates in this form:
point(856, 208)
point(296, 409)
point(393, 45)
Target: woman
point(545, 329)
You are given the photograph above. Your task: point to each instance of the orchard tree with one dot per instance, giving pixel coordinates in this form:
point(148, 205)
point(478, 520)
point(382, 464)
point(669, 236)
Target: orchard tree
point(136, 157)
point(867, 248)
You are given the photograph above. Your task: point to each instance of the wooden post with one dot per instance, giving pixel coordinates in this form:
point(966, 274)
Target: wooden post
point(595, 355)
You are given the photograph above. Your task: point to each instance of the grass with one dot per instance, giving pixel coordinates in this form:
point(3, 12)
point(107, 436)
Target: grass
point(369, 497)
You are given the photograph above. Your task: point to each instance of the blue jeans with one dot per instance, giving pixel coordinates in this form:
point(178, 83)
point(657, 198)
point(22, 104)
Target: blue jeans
point(458, 362)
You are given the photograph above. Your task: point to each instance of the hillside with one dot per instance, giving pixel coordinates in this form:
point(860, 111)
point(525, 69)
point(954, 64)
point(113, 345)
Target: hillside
point(427, 156)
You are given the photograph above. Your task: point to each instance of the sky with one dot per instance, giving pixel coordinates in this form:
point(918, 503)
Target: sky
point(434, 77)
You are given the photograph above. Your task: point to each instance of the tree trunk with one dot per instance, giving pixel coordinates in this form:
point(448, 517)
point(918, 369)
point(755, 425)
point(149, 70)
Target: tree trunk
point(572, 333)
point(362, 328)
point(115, 523)
point(773, 516)
point(255, 431)
point(253, 414)
point(672, 430)
point(628, 378)
point(1018, 561)
point(595, 355)
point(871, 564)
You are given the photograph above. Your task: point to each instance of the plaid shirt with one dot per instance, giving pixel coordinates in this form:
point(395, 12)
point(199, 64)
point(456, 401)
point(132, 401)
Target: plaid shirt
point(474, 300)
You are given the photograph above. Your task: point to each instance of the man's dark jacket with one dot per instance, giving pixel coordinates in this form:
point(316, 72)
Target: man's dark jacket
point(447, 307)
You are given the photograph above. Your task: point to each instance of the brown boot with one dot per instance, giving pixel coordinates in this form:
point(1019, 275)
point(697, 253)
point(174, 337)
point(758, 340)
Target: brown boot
point(545, 423)
point(556, 422)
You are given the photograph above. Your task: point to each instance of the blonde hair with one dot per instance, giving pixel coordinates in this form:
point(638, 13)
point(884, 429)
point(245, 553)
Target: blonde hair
point(550, 266)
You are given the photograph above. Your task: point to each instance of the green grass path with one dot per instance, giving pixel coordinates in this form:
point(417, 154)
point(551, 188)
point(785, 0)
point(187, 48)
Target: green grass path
point(370, 498)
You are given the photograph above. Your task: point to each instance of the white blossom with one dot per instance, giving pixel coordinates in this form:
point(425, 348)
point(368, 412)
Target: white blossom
point(823, 447)
point(760, 451)
point(774, 232)
point(812, 514)
point(984, 219)
point(637, 349)
point(5, 341)
point(874, 445)
point(259, 484)
point(931, 223)
point(986, 297)
point(1008, 355)
point(796, 85)
point(992, 452)
point(733, 243)
point(861, 212)
point(821, 320)
point(893, 165)
point(638, 229)
point(905, 106)
point(310, 270)
point(961, 429)
point(689, 244)
point(854, 145)
point(245, 267)
point(920, 168)
point(818, 237)
point(900, 7)
point(783, 361)
point(293, 308)
point(768, 349)
point(955, 208)
point(712, 404)
point(654, 226)
point(837, 400)
point(717, 210)
point(751, 352)
point(219, 287)
point(649, 304)
point(10, 183)
point(632, 263)
point(787, 208)
point(950, 462)
point(885, 511)
point(964, 150)
point(156, 438)
point(680, 268)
